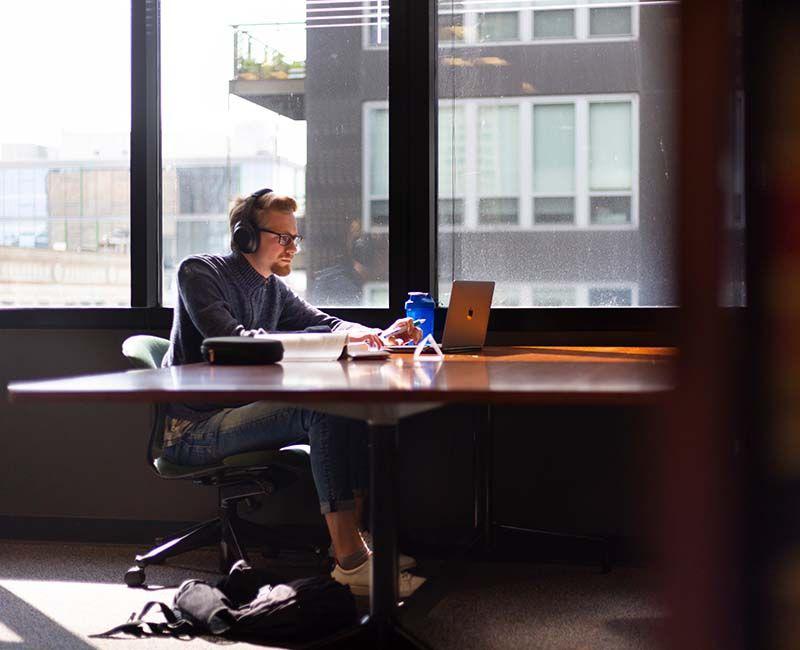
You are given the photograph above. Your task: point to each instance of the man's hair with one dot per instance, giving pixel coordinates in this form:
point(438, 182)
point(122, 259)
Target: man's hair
point(263, 204)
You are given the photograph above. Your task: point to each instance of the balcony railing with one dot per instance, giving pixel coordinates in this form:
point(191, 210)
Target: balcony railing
point(254, 60)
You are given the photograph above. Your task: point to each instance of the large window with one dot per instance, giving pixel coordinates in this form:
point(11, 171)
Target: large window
point(553, 141)
point(64, 153)
point(556, 147)
point(286, 115)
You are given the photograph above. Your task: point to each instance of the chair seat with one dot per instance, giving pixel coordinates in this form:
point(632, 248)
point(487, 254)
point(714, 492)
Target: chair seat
point(292, 458)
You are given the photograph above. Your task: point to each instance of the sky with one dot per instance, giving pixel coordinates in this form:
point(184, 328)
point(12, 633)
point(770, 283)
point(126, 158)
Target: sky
point(63, 73)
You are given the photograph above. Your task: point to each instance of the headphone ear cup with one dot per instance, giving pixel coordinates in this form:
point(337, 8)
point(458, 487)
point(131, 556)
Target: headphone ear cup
point(245, 237)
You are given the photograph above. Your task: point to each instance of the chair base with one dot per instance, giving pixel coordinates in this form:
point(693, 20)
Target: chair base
point(232, 533)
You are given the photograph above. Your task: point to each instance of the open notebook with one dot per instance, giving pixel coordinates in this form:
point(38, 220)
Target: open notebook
point(321, 346)
point(308, 346)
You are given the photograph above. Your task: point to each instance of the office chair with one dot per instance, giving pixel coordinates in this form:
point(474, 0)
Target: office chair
point(239, 479)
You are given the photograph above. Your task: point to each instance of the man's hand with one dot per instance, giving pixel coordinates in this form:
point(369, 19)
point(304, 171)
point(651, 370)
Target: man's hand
point(368, 336)
point(401, 332)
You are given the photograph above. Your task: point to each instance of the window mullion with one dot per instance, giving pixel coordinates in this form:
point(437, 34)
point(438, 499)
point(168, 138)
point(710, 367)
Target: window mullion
point(145, 163)
point(412, 150)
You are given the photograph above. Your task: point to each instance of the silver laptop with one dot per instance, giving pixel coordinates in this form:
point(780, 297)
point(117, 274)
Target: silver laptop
point(467, 318)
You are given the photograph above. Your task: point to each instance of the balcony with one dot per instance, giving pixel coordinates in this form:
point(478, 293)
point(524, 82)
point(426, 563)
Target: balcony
point(263, 75)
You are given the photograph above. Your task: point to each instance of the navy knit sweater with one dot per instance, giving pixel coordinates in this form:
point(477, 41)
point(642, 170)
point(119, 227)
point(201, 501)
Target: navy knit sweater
point(225, 296)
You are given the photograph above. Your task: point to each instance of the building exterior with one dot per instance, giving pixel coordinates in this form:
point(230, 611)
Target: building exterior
point(557, 153)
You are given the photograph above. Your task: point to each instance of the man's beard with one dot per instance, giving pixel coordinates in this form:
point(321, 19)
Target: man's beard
point(281, 269)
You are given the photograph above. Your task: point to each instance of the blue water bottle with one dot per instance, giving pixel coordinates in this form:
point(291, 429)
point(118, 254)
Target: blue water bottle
point(418, 306)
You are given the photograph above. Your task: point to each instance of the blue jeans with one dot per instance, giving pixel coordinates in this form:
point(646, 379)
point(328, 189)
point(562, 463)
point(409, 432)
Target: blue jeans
point(339, 453)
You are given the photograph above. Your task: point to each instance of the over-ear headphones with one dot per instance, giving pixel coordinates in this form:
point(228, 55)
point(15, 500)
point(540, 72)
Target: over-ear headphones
point(245, 233)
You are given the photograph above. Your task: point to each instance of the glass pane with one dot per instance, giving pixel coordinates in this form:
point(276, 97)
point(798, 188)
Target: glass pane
point(498, 26)
point(610, 21)
point(451, 212)
point(610, 146)
point(554, 296)
point(499, 211)
point(554, 24)
point(554, 210)
point(451, 27)
point(379, 213)
point(610, 297)
point(253, 97)
point(554, 148)
point(569, 158)
point(610, 210)
point(498, 150)
point(65, 153)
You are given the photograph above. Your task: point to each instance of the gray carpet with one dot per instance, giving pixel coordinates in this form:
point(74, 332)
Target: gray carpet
point(56, 595)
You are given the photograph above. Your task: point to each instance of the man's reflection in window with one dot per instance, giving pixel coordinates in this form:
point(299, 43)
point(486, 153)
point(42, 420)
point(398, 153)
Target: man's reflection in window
point(342, 282)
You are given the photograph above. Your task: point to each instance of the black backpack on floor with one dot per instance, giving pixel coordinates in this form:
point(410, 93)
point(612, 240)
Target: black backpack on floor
point(245, 606)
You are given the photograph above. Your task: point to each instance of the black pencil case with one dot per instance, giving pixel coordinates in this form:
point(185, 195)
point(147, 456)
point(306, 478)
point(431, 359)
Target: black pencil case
point(241, 350)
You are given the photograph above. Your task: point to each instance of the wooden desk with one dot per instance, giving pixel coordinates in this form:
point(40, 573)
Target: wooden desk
point(383, 392)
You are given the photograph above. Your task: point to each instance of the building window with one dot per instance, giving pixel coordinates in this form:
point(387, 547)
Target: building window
point(610, 21)
point(554, 23)
point(498, 165)
point(498, 26)
point(377, 153)
point(610, 162)
point(547, 21)
point(554, 164)
point(376, 17)
point(577, 167)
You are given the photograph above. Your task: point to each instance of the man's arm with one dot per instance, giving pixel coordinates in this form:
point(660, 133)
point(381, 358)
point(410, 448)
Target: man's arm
point(202, 294)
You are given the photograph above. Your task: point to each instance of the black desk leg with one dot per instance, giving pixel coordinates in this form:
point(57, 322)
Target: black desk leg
point(383, 451)
point(381, 629)
point(485, 525)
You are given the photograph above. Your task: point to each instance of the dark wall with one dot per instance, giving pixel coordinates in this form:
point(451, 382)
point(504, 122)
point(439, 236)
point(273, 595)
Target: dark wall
point(575, 469)
point(80, 460)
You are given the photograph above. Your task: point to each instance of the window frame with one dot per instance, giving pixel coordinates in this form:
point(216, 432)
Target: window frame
point(412, 128)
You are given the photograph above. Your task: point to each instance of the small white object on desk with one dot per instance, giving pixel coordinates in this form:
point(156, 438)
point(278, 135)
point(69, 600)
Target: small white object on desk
point(424, 343)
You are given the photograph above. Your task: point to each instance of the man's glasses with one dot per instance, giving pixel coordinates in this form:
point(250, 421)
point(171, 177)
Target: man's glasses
point(284, 238)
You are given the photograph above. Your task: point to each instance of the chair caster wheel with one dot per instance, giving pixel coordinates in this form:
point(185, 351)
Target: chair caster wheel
point(134, 577)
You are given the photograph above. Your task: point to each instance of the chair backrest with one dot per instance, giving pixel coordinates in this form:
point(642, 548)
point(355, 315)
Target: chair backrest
point(145, 351)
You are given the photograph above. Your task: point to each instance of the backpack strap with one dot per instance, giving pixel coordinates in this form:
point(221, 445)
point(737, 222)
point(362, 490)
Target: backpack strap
point(138, 627)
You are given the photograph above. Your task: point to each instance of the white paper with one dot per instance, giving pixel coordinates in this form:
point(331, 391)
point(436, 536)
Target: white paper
point(309, 347)
point(361, 350)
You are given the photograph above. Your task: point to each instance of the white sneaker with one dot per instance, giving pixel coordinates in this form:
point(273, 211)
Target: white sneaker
point(359, 580)
point(404, 562)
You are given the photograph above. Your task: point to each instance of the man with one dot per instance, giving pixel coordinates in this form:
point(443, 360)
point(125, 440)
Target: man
point(235, 295)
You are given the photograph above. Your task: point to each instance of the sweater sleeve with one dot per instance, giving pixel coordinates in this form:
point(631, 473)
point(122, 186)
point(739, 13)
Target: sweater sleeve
point(200, 289)
point(297, 314)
